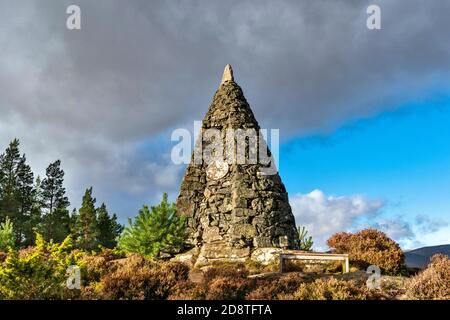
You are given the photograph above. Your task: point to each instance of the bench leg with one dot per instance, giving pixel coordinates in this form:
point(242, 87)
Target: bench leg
point(281, 264)
point(345, 266)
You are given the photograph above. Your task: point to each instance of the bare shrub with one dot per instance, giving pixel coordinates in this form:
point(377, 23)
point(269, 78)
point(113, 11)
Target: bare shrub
point(329, 289)
point(367, 247)
point(433, 283)
point(271, 288)
point(139, 278)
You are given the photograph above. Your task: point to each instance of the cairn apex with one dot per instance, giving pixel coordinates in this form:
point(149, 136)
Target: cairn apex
point(227, 74)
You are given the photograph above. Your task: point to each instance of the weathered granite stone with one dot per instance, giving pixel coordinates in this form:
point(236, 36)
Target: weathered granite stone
point(220, 251)
point(227, 74)
point(266, 255)
point(188, 257)
point(233, 209)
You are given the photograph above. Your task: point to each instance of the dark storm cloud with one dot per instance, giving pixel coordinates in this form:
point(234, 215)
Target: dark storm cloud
point(141, 68)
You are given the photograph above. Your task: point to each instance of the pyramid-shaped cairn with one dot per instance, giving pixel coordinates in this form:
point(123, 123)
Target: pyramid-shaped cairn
point(232, 208)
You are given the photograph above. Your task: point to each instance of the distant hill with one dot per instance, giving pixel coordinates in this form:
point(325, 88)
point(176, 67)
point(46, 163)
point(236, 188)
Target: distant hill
point(419, 258)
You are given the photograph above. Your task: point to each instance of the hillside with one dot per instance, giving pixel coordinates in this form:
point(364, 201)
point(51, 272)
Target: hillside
point(419, 258)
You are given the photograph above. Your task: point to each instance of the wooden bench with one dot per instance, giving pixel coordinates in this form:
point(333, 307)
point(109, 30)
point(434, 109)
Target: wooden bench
point(313, 256)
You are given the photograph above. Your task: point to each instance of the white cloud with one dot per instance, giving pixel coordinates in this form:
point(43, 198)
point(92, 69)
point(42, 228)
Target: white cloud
point(397, 228)
point(325, 215)
point(426, 224)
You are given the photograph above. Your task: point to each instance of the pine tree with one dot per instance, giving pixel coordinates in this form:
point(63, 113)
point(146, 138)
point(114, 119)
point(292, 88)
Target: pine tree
point(304, 242)
point(86, 225)
point(56, 219)
point(156, 231)
point(7, 236)
point(108, 227)
point(32, 224)
point(73, 223)
point(25, 196)
point(9, 161)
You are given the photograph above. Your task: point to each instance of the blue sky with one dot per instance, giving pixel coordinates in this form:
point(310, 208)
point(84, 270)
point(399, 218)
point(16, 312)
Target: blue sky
point(401, 158)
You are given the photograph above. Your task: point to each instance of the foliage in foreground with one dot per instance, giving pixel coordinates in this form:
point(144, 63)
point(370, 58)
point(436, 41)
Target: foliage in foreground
point(155, 231)
point(7, 237)
point(369, 247)
point(39, 272)
point(433, 282)
point(305, 242)
point(138, 278)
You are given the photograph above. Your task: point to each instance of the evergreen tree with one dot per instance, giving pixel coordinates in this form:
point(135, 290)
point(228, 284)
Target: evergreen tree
point(9, 161)
point(73, 223)
point(156, 231)
point(108, 227)
point(32, 224)
point(7, 236)
point(16, 189)
point(56, 219)
point(86, 224)
point(25, 196)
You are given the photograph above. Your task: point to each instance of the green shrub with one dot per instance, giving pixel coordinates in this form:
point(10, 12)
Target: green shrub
point(155, 232)
point(7, 237)
point(39, 272)
point(433, 283)
point(369, 247)
point(305, 243)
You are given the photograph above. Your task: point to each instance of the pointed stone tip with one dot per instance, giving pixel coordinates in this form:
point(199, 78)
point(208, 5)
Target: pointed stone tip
point(227, 74)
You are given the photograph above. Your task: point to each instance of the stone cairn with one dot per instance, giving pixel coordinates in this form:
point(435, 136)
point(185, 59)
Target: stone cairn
point(232, 208)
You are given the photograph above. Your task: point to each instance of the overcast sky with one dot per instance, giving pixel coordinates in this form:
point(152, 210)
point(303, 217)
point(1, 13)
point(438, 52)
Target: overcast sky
point(104, 99)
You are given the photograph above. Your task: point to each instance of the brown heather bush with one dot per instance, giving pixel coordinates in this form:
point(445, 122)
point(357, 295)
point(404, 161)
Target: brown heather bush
point(225, 269)
point(228, 288)
point(138, 278)
point(271, 288)
point(94, 267)
point(329, 289)
point(256, 267)
point(224, 281)
point(367, 247)
point(433, 283)
point(187, 290)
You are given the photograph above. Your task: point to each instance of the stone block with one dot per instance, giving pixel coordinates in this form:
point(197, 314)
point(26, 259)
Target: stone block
point(240, 202)
point(244, 230)
point(211, 234)
point(262, 242)
point(267, 255)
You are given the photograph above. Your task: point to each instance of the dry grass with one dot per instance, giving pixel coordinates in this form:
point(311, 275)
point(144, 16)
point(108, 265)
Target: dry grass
point(433, 283)
point(369, 247)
